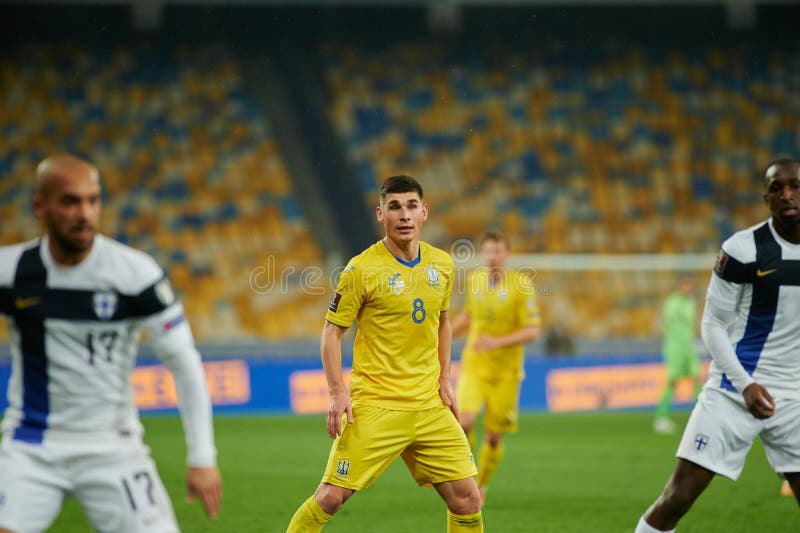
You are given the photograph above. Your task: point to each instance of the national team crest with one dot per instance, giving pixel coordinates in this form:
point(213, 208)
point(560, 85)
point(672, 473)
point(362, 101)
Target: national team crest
point(433, 275)
point(104, 304)
point(342, 467)
point(700, 441)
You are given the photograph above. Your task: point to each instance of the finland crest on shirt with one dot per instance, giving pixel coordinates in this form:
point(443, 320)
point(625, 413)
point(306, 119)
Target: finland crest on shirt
point(757, 273)
point(74, 335)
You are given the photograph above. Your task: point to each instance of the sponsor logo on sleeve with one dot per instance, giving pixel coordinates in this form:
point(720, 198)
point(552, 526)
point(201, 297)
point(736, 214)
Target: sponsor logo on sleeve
point(722, 261)
point(164, 292)
point(334, 305)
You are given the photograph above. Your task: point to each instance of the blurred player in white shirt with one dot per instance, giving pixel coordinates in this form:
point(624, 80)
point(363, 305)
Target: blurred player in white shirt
point(76, 302)
point(750, 327)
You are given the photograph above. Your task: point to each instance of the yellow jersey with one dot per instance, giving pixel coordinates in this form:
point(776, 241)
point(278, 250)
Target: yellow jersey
point(497, 310)
point(397, 306)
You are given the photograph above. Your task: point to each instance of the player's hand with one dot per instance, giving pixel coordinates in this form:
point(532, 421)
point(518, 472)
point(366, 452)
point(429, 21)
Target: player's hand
point(447, 394)
point(340, 403)
point(485, 343)
point(204, 483)
point(758, 401)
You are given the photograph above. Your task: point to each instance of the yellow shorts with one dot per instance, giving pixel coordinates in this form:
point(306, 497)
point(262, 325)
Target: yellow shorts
point(500, 397)
point(431, 443)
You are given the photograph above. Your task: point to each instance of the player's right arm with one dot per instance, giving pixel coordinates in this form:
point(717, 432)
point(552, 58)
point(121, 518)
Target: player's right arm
point(722, 301)
point(331, 351)
point(342, 311)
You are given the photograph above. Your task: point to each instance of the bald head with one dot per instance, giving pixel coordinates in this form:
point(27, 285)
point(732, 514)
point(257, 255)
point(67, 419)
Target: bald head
point(784, 163)
point(58, 169)
point(67, 202)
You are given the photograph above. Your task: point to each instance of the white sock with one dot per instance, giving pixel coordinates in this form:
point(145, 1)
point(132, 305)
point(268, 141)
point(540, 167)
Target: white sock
point(644, 527)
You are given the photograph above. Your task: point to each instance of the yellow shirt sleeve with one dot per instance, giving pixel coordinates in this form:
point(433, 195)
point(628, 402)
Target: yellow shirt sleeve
point(348, 298)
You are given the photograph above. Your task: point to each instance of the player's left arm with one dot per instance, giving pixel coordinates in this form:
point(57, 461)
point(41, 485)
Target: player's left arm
point(445, 340)
point(174, 345)
point(445, 335)
point(523, 335)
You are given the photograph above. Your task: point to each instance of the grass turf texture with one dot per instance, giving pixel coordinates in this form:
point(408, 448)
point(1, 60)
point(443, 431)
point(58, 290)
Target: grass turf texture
point(562, 473)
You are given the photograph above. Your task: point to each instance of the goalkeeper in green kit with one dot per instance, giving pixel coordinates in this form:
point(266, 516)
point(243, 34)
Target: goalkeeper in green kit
point(680, 357)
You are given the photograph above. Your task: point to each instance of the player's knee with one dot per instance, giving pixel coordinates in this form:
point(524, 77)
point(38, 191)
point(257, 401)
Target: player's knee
point(494, 439)
point(331, 498)
point(465, 503)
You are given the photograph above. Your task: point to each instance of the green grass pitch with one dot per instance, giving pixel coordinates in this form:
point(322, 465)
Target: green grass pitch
point(562, 473)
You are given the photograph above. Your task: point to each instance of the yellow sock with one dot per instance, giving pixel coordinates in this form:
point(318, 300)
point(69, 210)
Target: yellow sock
point(488, 460)
point(466, 523)
point(309, 518)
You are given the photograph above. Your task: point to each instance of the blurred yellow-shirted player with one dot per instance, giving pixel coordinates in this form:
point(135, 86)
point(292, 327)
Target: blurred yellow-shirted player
point(401, 402)
point(501, 315)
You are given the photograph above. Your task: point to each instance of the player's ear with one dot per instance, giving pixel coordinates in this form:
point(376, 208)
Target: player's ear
point(424, 212)
point(37, 204)
point(379, 214)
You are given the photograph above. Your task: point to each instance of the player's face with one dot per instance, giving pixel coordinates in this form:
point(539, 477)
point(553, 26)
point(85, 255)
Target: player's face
point(402, 215)
point(70, 209)
point(783, 193)
point(494, 253)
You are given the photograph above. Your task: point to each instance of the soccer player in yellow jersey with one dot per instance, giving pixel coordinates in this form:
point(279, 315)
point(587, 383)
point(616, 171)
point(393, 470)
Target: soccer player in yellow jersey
point(401, 402)
point(501, 315)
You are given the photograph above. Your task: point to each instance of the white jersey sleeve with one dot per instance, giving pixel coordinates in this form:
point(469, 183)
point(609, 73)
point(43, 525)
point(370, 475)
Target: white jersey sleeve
point(721, 309)
point(173, 343)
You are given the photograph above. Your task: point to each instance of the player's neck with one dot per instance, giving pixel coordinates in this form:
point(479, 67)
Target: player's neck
point(496, 274)
point(790, 233)
point(407, 251)
point(64, 257)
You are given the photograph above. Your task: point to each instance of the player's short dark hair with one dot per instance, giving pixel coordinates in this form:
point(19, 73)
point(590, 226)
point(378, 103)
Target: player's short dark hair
point(400, 184)
point(779, 161)
point(495, 236)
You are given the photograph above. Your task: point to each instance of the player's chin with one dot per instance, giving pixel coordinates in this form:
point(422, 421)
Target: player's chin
point(82, 243)
point(789, 217)
point(405, 234)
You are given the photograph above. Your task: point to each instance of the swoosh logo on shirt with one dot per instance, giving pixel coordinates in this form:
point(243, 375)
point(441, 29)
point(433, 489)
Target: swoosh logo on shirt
point(761, 273)
point(24, 303)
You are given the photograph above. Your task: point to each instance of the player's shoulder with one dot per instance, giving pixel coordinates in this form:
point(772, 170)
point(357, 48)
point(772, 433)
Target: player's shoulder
point(432, 254)
point(134, 269)
point(369, 256)
point(742, 244)
point(9, 258)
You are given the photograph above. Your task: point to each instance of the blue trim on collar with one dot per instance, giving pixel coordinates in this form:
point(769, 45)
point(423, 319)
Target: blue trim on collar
point(409, 264)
